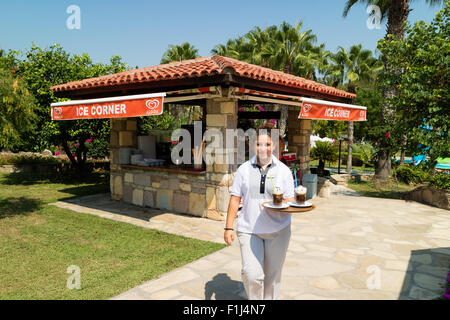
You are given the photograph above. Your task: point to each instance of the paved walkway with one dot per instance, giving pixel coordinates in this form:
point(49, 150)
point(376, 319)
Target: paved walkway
point(349, 247)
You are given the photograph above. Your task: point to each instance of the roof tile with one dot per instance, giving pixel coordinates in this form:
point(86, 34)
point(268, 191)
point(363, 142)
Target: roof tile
point(199, 67)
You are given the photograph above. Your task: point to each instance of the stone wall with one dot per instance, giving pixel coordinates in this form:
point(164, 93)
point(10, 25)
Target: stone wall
point(436, 197)
point(221, 113)
point(174, 191)
point(299, 132)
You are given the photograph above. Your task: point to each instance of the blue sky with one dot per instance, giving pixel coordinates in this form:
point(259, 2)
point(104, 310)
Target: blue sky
point(141, 31)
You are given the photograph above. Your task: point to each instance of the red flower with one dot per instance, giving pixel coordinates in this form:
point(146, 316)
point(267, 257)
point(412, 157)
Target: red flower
point(387, 135)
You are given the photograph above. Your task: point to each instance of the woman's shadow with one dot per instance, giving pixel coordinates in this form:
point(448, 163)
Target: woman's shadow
point(224, 288)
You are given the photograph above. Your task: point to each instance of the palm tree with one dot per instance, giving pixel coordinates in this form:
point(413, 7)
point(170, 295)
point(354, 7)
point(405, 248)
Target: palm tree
point(233, 49)
point(323, 151)
point(352, 68)
point(396, 12)
point(286, 45)
point(181, 52)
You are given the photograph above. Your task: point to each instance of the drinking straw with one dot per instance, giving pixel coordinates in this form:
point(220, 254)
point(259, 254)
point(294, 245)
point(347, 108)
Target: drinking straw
point(271, 182)
point(295, 176)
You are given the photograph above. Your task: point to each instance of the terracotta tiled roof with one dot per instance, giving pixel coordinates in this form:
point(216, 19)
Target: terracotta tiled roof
point(200, 67)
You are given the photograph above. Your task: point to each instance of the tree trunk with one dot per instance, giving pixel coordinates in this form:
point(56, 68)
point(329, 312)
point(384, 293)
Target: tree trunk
point(403, 148)
point(350, 146)
point(382, 166)
point(321, 168)
point(397, 15)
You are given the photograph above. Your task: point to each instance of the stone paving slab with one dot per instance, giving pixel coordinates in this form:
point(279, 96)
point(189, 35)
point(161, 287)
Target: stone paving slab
point(349, 247)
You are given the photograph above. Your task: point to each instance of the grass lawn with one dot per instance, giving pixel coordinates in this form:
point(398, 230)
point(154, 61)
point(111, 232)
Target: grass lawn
point(38, 242)
point(390, 190)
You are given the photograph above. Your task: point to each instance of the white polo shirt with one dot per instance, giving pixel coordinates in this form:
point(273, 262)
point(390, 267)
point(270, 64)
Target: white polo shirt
point(250, 184)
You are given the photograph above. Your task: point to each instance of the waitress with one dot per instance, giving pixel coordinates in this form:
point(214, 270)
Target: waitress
point(263, 234)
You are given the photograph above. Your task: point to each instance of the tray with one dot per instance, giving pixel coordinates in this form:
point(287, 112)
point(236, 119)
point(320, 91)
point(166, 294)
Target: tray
point(292, 209)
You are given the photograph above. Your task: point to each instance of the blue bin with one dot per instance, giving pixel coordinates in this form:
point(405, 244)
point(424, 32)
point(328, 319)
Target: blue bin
point(310, 182)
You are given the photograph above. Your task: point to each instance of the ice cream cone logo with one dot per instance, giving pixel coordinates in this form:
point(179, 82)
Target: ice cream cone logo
point(152, 104)
point(306, 107)
point(57, 110)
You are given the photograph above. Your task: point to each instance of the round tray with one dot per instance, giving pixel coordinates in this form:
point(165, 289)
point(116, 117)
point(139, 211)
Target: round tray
point(291, 209)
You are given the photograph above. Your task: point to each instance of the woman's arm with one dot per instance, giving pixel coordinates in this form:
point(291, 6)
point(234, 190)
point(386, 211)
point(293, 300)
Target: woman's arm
point(233, 207)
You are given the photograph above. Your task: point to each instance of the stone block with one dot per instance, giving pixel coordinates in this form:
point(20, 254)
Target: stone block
point(223, 198)
point(181, 201)
point(126, 138)
point(299, 139)
point(305, 124)
point(174, 183)
point(131, 125)
point(231, 122)
point(198, 187)
point(427, 196)
point(223, 168)
point(211, 197)
point(164, 199)
point(149, 198)
point(127, 194)
point(228, 107)
point(128, 177)
point(185, 186)
point(118, 124)
point(142, 179)
point(212, 107)
point(117, 187)
point(216, 120)
point(164, 184)
point(114, 139)
point(156, 185)
point(138, 197)
point(197, 204)
point(114, 156)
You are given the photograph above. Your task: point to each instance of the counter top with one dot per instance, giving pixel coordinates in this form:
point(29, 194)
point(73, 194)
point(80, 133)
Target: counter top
point(170, 168)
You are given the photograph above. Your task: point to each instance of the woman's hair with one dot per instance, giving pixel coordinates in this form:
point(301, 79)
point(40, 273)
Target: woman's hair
point(264, 131)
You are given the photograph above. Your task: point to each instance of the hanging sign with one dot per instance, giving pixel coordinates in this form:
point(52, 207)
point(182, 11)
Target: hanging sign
point(327, 110)
point(112, 107)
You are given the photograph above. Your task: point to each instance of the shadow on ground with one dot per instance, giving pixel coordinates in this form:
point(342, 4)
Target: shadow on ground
point(427, 275)
point(14, 206)
point(224, 288)
point(102, 201)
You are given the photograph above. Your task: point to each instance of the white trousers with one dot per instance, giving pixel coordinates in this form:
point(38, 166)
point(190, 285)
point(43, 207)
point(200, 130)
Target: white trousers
point(263, 256)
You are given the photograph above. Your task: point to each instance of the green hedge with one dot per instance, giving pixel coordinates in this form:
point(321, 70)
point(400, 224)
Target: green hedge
point(356, 159)
point(440, 181)
point(26, 159)
point(411, 175)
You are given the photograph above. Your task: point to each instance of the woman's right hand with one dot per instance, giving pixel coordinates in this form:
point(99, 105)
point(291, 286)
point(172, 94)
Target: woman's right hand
point(228, 237)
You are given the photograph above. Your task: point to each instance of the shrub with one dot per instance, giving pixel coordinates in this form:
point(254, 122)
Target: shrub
point(323, 151)
point(356, 159)
point(440, 181)
point(411, 175)
point(26, 159)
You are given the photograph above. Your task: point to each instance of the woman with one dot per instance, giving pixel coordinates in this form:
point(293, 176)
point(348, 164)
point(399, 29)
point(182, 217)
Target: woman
point(263, 234)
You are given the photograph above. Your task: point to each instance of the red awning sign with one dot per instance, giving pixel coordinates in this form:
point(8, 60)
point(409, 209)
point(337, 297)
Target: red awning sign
point(327, 110)
point(113, 107)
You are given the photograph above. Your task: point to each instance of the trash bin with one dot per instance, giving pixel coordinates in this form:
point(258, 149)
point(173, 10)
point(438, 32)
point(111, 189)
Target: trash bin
point(310, 182)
